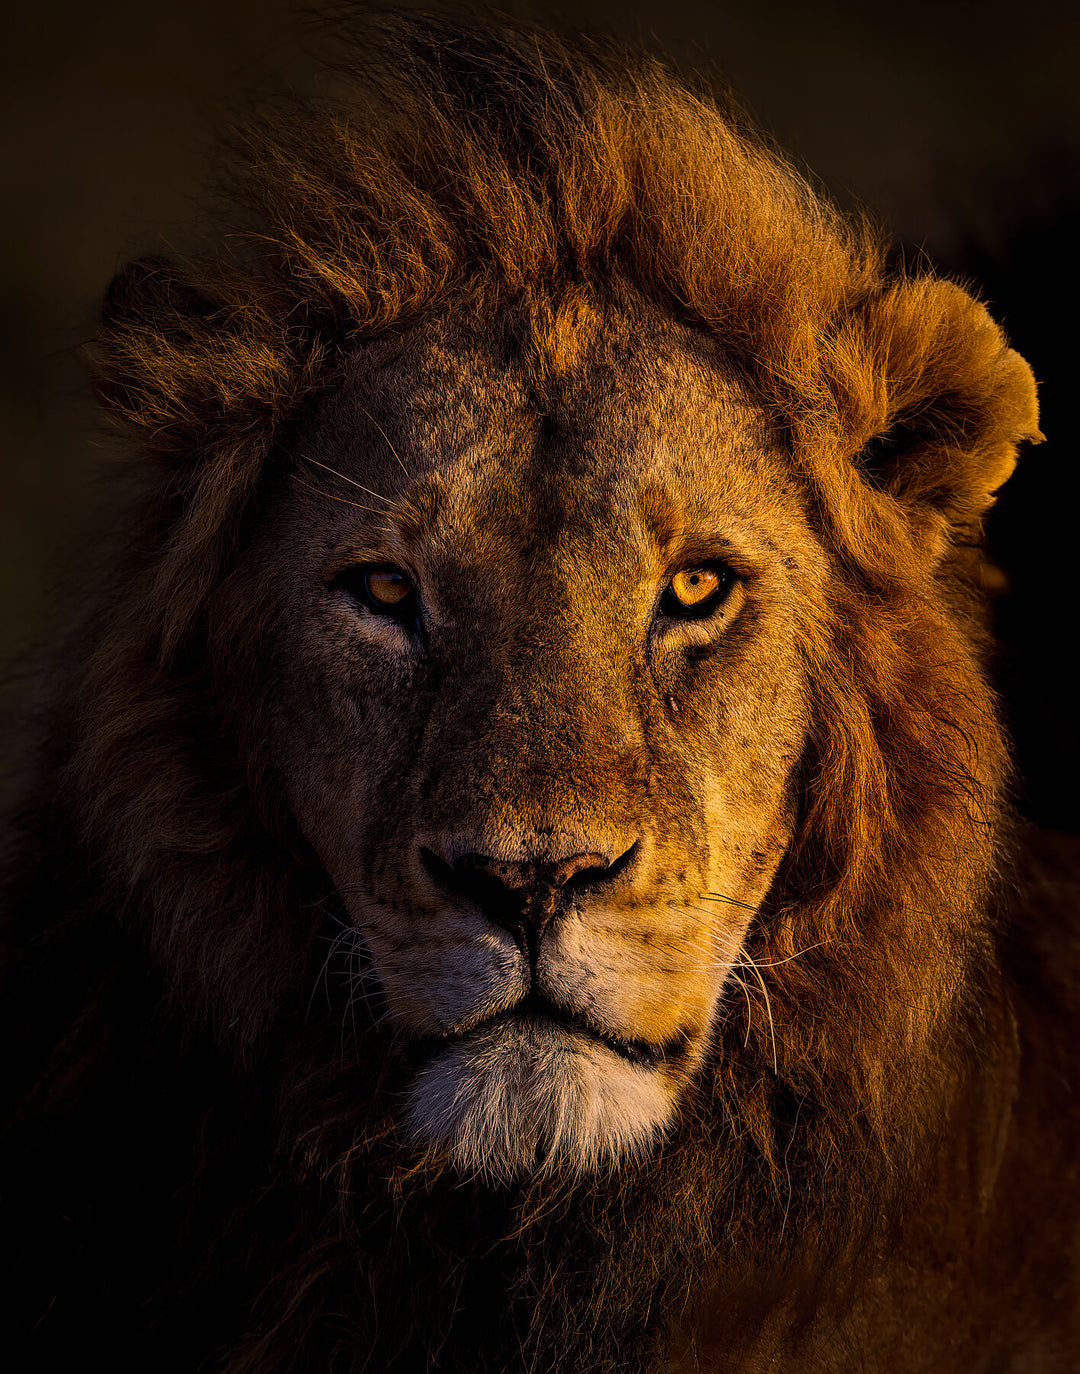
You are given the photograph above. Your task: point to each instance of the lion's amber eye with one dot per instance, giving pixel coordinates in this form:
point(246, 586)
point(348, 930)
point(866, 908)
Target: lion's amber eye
point(381, 588)
point(697, 585)
point(388, 587)
point(696, 591)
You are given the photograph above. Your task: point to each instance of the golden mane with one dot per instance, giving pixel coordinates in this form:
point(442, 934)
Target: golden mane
point(484, 168)
point(488, 166)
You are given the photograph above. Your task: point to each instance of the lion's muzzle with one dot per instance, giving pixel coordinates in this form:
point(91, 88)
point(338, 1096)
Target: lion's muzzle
point(523, 896)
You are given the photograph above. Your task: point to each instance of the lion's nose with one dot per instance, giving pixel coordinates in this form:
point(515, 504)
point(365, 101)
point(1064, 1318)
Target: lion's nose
point(521, 896)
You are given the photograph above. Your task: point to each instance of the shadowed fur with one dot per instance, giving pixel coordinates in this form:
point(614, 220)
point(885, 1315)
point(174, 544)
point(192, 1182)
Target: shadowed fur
point(520, 313)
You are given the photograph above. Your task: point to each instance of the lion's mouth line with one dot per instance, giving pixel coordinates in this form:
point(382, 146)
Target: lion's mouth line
point(642, 1053)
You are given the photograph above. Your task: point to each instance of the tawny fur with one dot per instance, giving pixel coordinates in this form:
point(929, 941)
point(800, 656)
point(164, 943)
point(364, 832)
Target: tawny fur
point(212, 1152)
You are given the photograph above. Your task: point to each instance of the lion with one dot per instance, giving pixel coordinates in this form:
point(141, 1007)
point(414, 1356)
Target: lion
point(515, 870)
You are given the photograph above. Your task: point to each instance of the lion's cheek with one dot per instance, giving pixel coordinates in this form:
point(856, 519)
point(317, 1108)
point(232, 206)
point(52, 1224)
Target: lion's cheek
point(437, 982)
point(649, 979)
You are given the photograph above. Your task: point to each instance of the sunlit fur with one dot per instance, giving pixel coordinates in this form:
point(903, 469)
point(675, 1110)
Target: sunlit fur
point(212, 971)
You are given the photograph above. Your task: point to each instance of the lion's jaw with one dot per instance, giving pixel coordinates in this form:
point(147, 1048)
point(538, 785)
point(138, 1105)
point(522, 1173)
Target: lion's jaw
point(542, 715)
point(525, 1093)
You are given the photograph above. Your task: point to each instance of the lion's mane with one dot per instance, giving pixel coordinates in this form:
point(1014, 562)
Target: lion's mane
point(175, 1010)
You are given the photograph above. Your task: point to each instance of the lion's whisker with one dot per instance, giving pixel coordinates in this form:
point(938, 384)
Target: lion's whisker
point(352, 482)
point(331, 497)
point(323, 974)
point(391, 447)
point(722, 897)
point(787, 1167)
point(797, 955)
point(362, 982)
point(749, 1008)
point(749, 962)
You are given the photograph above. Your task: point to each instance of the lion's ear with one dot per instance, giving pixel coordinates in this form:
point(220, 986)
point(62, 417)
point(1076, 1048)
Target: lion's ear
point(182, 357)
point(935, 401)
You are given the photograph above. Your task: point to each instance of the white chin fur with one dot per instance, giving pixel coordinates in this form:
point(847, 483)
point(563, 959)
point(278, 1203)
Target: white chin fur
point(529, 1096)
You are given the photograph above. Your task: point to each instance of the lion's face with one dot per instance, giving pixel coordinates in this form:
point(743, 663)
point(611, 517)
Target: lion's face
point(538, 699)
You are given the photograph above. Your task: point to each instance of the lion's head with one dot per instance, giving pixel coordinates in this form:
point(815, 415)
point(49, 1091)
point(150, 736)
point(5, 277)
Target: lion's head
point(560, 538)
point(536, 595)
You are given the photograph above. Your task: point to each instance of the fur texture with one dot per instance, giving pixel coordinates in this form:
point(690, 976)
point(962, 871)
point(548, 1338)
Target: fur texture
point(541, 325)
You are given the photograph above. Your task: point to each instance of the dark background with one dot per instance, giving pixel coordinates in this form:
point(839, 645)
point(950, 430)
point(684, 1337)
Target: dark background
point(957, 124)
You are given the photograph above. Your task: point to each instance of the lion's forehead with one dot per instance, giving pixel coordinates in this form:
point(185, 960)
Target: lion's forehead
point(504, 460)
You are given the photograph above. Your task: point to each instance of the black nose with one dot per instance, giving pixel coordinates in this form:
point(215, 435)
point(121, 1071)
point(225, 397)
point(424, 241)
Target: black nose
point(523, 897)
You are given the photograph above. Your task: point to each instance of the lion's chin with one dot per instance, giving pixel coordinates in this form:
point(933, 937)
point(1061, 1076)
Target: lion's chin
point(526, 1095)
